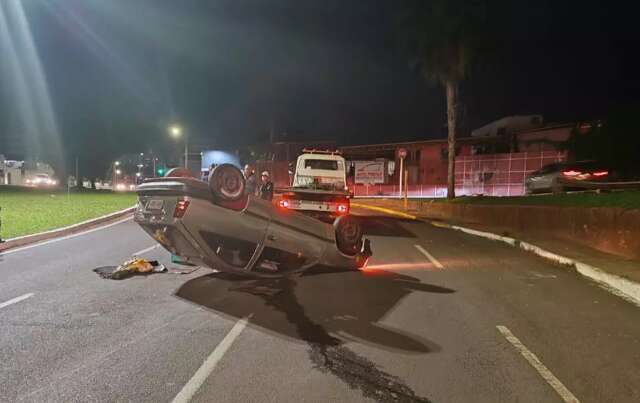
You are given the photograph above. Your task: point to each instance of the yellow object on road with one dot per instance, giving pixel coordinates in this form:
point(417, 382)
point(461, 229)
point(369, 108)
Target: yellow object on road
point(135, 265)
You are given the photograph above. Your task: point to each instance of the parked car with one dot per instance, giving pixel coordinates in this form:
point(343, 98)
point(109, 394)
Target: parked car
point(216, 224)
point(560, 177)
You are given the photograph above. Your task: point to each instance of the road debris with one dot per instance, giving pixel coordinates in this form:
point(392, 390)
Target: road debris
point(130, 268)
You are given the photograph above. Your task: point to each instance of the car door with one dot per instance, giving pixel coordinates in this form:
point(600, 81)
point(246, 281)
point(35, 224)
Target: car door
point(536, 180)
point(294, 241)
point(232, 238)
point(543, 178)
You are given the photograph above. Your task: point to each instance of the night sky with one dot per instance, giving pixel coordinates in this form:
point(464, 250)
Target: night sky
point(228, 70)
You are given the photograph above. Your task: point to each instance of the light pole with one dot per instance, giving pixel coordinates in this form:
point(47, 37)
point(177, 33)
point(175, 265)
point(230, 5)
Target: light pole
point(116, 172)
point(176, 131)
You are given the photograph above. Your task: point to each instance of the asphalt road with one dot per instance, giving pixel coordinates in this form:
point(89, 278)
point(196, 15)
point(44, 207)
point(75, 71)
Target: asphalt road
point(438, 316)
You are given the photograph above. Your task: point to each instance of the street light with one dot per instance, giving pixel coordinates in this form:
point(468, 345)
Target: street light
point(116, 172)
point(176, 131)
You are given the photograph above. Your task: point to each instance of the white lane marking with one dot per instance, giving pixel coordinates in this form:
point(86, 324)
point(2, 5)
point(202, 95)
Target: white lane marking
point(145, 250)
point(16, 299)
point(10, 251)
point(201, 375)
point(429, 256)
point(544, 372)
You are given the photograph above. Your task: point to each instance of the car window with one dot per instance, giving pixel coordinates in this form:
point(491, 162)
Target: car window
point(328, 165)
point(548, 169)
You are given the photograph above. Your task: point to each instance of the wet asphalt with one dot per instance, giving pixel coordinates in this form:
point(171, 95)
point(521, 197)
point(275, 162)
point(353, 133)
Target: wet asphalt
point(404, 329)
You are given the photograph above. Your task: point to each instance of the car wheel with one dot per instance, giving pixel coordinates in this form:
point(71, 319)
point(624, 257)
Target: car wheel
point(557, 187)
point(528, 190)
point(348, 234)
point(226, 183)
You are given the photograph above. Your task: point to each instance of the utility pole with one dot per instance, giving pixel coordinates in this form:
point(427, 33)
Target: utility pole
point(186, 153)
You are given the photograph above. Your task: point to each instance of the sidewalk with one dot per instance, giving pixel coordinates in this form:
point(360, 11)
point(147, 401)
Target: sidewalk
point(617, 273)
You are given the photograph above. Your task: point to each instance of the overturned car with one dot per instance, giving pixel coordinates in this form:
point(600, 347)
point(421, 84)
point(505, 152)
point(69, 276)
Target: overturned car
point(216, 224)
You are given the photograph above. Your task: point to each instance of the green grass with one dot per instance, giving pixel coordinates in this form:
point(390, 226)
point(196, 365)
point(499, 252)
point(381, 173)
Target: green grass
point(623, 199)
point(28, 211)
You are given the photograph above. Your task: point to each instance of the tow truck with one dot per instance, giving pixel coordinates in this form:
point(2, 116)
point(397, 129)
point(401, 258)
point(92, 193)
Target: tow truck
point(319, 187)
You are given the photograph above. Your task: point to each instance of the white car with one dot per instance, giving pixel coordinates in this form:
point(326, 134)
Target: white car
point(216, 225)
point(41, 180)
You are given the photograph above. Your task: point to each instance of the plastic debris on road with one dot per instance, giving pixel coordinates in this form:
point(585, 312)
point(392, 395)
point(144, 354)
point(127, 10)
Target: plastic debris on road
point(130, 268)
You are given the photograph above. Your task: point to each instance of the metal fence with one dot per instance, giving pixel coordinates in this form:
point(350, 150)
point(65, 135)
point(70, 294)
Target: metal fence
point(489, 175)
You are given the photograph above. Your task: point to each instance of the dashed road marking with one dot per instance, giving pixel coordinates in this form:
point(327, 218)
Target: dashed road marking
point(145, 250)
point(16, 299)
point(544, 372)
point(201, 375)
point(429, 256)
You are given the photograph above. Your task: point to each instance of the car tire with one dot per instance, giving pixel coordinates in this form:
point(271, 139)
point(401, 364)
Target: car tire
point(557, 187)
point(226, 183)
point(348, 234)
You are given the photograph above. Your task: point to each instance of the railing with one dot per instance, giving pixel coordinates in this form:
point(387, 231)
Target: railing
point(489, 175)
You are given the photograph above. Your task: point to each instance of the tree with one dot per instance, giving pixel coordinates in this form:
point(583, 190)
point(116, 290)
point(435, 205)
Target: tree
point(614, 142)
point(443, 39)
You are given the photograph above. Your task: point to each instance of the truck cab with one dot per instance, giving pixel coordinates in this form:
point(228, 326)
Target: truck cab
point(319, 185)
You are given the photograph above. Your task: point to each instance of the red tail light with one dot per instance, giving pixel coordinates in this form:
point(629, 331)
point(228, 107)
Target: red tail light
point(284, 203)
point(571, 173)
point(601, 173)
point(181, 208)
point(343, 208)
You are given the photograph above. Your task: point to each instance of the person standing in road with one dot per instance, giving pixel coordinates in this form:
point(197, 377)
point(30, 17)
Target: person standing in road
point(266, 187)
point(251, 182)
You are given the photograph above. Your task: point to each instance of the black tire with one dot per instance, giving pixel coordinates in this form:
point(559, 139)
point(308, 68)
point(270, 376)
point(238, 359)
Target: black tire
point(557, 187)
point(348, 234)
point(226, 183)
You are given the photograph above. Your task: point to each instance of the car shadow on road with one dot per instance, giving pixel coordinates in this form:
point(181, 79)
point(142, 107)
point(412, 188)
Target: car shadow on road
point(384, 226)
point(324, 306)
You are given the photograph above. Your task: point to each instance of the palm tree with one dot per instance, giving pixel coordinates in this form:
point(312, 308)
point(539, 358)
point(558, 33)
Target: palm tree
point(443, 38)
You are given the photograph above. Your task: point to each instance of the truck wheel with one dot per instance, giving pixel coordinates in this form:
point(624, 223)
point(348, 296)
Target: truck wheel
point(226, 183)
point(348, 235)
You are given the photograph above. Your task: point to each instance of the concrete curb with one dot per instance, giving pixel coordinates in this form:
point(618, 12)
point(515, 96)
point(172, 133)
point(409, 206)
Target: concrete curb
point(59, 232)
point(620, 286)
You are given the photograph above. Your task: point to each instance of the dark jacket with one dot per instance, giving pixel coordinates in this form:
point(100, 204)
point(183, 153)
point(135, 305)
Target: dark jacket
point(266, 191)
point(251, 185)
